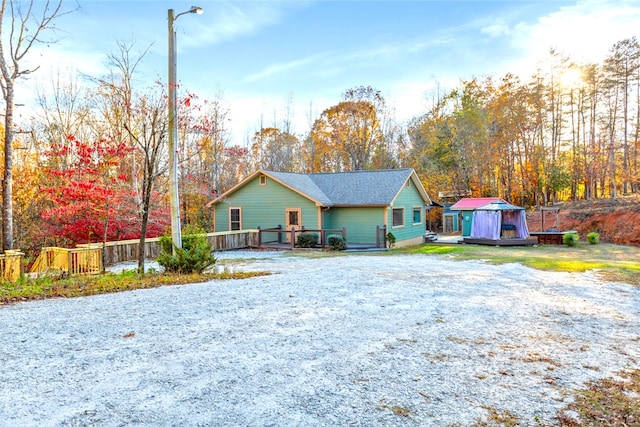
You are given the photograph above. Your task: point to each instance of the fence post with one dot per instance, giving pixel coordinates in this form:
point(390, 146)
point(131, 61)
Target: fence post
point(384, 235)
point(293, 237)
point(12, 265)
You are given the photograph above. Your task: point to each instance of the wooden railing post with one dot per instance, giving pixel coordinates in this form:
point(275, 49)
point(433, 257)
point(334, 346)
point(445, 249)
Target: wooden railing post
point(11, 265)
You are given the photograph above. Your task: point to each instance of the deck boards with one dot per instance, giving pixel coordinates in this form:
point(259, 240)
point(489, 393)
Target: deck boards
point(500, 242)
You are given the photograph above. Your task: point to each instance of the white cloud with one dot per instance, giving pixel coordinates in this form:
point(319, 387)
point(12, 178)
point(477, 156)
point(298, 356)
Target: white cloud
point(496, 30)
point(285, 67)
point(585, 32)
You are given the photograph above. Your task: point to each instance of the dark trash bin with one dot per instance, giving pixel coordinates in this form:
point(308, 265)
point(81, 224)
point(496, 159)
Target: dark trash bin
point(508, 231)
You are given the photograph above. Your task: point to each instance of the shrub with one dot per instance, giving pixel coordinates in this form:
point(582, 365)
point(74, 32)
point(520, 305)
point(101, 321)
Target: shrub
point(571, 238)
point(308, 240)
point(593, 238)
point(391, 239)
point(337, 243)
point(195, 256)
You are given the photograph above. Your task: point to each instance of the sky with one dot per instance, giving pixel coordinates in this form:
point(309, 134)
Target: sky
point(264, 58)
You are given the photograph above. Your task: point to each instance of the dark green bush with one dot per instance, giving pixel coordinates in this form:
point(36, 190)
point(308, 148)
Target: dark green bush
point(593, 238)
point(391, 239)
point(337, 243)
point(308, 240)
point(195, 256)
point(571, 238)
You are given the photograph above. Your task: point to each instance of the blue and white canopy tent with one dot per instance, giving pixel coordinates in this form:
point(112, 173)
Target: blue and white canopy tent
point(492, 220)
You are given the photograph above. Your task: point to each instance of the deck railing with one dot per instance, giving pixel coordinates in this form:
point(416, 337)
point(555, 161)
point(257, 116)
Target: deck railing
point(10, 265)
point(279, 236)
point(83, 260)
point(127, 250)
point(88, 258)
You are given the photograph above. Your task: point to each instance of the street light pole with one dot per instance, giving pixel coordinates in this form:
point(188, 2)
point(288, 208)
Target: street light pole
point(174, 199)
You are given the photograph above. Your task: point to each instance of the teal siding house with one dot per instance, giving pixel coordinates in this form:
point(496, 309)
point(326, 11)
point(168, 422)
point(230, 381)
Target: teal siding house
point(359, 202)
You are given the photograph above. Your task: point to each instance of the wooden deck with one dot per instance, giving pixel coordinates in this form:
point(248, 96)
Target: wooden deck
point(549, 237)
point(500, 242)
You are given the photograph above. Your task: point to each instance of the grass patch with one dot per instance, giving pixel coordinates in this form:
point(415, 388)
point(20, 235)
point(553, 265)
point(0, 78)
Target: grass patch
point(612, 262)
point(606, 402)
point(78, 286)
point(398, 410)
point(497, 417)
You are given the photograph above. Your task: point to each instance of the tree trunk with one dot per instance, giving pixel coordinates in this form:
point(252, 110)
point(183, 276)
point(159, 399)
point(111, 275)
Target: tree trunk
point(7, 181)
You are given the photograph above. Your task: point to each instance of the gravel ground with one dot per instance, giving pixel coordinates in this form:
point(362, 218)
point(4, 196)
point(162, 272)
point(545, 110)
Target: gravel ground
point(358, 340)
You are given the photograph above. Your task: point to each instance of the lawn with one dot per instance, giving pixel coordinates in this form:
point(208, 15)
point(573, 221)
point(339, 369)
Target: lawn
point(611, 262)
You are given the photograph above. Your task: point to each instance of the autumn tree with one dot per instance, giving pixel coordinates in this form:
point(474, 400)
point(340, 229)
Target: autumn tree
point(138, 120)
point(622, 79)
point(276, 150)
point(433, 154)
point(87, 201)
point(203, 158)
point(27, 24)
point(346, 135)
point(28, 198)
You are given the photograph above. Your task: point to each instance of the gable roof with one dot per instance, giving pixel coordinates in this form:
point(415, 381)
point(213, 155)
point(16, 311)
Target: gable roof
point(357, 188)
point(469, 204)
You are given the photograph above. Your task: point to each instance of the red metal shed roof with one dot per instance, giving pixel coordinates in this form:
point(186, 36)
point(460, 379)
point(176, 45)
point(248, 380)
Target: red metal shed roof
point(470, 204)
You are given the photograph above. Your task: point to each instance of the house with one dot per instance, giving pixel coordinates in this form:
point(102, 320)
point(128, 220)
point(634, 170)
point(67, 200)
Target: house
point(463, 210)
point(360, 202)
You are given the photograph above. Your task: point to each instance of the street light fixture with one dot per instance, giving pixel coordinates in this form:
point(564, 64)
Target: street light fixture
point(174, 200)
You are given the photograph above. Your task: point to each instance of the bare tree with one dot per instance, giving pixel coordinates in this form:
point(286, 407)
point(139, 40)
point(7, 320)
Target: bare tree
point(26, 27)
point(140, 121)
point(148, 134)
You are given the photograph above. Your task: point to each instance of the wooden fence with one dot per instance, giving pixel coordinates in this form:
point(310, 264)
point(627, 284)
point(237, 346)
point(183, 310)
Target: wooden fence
point(127, 250)
point(84, 260)
point(88, 258)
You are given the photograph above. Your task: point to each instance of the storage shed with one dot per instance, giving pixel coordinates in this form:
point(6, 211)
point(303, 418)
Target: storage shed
point(465, 207)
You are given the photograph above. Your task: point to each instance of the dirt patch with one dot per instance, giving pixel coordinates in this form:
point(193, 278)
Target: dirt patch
point(617, 221)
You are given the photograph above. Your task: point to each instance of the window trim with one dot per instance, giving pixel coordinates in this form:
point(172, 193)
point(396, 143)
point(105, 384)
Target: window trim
point(287, 213)
point(418, 209)
point(393, 224)
point(263, 180)
point(239, 209)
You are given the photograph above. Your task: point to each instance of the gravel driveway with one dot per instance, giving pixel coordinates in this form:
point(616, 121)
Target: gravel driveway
point(359, 340)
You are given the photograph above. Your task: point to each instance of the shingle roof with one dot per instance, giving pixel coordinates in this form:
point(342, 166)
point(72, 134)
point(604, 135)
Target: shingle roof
point(369, 188)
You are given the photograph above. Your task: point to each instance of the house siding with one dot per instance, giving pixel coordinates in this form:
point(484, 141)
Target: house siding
point(408, 199)
point(264, 206)
point(362, 222)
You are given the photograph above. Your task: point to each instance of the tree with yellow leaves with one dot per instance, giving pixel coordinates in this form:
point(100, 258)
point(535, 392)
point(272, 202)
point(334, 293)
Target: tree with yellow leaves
point(346, 136)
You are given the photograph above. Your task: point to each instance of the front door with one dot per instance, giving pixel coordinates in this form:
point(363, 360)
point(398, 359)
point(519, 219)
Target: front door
point(448, 224)
point(293, 219)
